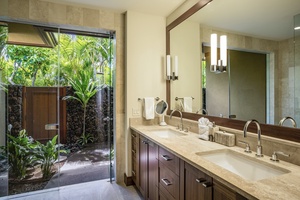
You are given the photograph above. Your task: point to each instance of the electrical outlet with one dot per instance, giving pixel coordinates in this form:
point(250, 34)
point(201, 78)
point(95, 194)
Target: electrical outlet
point(136, 112)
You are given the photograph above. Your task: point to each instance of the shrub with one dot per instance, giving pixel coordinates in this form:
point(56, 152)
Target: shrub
point(47, 154)
point(20, 154)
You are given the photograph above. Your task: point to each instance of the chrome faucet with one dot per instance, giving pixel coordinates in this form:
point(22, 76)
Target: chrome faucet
point(202, 109)
point(181, 123)
point(259, 147)
point(291, 119)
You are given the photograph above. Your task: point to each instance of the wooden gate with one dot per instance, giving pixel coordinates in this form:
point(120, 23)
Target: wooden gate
point(41, 108)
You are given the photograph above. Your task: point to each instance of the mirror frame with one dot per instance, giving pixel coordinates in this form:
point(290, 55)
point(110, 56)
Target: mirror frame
point(281, 132)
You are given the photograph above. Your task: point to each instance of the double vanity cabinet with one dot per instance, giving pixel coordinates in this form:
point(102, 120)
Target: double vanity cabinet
point(161, 175)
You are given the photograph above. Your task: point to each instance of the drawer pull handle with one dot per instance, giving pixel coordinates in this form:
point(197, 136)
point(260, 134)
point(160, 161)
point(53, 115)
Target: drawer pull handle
point(207, 184)
point(133, 172)
point(200, 180)
point(133, 151)
point(134, 136)
point(166, 181)
point(166, 157)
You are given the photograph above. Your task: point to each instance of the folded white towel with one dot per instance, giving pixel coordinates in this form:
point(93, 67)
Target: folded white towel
point(188, 104)
point(148, 111)
point(204, 121)
point(204, 126)
point(204, 136)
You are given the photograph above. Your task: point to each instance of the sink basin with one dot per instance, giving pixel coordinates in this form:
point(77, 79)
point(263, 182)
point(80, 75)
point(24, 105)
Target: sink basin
point(242, 165)
point(167, 133)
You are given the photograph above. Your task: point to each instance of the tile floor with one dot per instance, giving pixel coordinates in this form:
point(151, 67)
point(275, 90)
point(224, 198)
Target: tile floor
point(96, 190)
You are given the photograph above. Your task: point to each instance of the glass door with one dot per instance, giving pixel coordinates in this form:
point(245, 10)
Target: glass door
point(111, 110)
point(57, 108)
point(3, 110)
point(31, 134)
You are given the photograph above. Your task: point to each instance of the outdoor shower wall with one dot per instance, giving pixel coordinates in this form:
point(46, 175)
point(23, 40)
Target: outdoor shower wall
point(99, 107)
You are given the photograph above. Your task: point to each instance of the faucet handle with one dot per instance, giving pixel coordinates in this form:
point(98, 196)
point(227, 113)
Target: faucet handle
point(186, 129)
point(259, 151)
point(247, 149)
point(275, 157)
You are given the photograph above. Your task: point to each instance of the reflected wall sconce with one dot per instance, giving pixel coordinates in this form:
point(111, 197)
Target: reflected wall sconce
point(297, 22)
point(215, 64)
point(172, 75)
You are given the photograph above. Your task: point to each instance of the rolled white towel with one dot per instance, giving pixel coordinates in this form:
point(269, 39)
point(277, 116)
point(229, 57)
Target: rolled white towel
point(204, 136)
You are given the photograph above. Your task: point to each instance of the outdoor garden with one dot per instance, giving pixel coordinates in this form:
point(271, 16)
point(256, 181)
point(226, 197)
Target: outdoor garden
point(82, 66)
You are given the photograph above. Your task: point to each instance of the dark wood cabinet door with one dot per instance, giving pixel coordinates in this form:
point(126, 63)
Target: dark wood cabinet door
point(197, 185)
point(143, 166)
point(222, 192)
point(152, 171)
point(135, 157)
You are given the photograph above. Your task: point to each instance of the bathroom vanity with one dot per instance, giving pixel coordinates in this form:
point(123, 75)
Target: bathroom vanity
point(169, 164)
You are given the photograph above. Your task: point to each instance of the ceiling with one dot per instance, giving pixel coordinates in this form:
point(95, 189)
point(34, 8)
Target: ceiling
point(270, 19)
point(154, 7)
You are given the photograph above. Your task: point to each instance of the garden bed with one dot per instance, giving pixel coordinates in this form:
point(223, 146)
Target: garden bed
point(33, 182)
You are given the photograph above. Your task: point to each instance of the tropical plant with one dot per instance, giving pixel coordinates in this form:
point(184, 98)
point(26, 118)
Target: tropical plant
point(20, 154)
point(47, 154)
point(85, 138)
point(28, 63)
point(85, 88)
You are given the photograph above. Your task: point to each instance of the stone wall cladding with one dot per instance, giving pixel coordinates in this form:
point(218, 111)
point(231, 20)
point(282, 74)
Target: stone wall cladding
point(15, 107)
point(99, 107)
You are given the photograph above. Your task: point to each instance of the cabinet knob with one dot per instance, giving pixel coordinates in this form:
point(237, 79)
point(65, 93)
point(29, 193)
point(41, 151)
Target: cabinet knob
point(166, 181)
point(145, 142)
point(207, 184)
point(166, 157)
point(200, 180)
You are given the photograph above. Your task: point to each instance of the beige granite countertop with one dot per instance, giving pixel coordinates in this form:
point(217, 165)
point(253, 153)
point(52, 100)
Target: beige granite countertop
point(286, 186)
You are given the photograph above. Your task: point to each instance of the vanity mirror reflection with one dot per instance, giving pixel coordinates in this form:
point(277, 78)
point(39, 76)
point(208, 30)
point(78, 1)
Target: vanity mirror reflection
point(265, 31)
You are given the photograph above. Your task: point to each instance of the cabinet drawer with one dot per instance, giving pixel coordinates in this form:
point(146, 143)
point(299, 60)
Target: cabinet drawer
point(168, 180)
point(169, 160)
point(164, 194)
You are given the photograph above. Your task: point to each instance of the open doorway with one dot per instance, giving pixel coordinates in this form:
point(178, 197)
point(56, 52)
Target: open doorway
point(58, 86)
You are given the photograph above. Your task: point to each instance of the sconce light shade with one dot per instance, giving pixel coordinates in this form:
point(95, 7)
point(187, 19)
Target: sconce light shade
point(223, 50)
point(215, 64)
point(213, 50)
point(297, 22)
point(174, 74)
point(168, 65)
point(176, 65)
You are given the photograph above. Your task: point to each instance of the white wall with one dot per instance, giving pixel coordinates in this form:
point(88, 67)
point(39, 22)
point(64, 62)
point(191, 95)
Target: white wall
point(145, 37)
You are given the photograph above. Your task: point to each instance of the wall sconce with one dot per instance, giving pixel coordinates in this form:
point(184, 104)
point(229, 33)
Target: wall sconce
point(172, 75)
point(215, 64)
point(297, 22)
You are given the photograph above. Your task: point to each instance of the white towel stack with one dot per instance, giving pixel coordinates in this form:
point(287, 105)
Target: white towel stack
point(148, 111)
point(188, 104)
point(203, 128)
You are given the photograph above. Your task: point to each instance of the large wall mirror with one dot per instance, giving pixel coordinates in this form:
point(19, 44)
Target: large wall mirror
point(263, 61)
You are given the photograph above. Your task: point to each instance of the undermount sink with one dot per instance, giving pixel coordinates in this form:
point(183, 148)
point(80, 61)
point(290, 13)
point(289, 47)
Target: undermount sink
point(167, 133)
point(242, 165)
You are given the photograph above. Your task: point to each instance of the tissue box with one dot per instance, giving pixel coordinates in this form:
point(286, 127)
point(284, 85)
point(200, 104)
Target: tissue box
point(227, 139)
